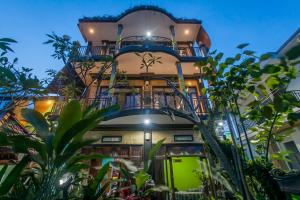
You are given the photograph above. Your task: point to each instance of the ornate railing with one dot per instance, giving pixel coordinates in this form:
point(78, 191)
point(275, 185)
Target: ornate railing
point(9, 122)
point(265, 101)
point(200, 105)
point(141, 41)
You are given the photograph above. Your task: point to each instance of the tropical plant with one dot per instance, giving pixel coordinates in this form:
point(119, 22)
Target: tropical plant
point(69, 52)
point(51, 157)
point(16, 83)
point(243, 77)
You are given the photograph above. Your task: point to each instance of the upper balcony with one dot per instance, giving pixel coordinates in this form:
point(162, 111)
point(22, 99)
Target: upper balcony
point(144, 28)
point(183, 51)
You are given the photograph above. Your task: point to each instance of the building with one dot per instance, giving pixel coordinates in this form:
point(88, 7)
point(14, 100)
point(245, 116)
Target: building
point(149, 45)
point(178, 43)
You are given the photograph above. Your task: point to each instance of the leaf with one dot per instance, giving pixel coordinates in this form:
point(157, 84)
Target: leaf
point(272, 82)
point(2, 172)
point(265, 56)
point(293, 53)
point(153, 151)
point(140, 179)
point(38, 121)
point(99, 178)
point(13, 176)
point(219, 56)
point(248, 52)
point(9, 40)
point(229, 61)
point(70, 115)
point(271, 69)
point(243, 45)
point(203, 91)
point(251, 88)
point(22, 143)
point(267, 112)
point(280, 105)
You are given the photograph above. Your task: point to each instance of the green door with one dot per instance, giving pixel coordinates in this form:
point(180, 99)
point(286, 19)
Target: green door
point(184, 175)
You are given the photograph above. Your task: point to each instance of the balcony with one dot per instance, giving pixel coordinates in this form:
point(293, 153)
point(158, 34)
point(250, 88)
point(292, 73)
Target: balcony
point(157, 101)
point(143, 43)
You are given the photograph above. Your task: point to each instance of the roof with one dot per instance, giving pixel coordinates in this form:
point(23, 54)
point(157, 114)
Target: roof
point(289, 40)
point(109, 18)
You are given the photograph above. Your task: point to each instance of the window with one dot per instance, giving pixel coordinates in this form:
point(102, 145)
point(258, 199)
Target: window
point(111, 139)
point(183, 138)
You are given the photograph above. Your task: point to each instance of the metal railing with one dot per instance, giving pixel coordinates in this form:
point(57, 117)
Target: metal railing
point(9, 122)
point(265, 101)
point(200, 105)
point(141, 41)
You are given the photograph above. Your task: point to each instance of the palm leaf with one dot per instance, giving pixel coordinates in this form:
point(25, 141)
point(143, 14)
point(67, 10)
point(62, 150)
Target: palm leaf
point(153, 151)
point(99, 178)
point(38, 121)
point(13, 176)
point(83, 126)
point(2, 172)
point(70, 115)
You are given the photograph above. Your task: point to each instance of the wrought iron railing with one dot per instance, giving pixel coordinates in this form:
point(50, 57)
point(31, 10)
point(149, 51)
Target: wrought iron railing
point(10, 122)
point(200, 105)
point(141, 41)
point(265, 101)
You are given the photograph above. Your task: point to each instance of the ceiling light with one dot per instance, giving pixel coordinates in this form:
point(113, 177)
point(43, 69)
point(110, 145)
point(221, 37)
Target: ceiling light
point(147, 121)
point(91, 31)
point(186, 31)
point(148, 33)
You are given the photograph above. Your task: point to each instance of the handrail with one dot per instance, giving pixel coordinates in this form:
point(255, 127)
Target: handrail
point(158, 101)
point(143, 38)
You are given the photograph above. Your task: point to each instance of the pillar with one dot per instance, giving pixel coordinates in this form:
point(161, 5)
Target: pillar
point(119, 37)
point(172, 30)
point(180, 78)
point(112, 79)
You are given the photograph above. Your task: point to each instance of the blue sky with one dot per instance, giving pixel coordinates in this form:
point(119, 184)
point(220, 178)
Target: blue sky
point(265, 24)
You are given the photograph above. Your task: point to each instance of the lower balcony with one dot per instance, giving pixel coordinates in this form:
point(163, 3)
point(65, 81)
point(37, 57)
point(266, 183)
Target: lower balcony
point(127, 102)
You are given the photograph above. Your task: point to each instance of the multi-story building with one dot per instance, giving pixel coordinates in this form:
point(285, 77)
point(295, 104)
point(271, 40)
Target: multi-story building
point(150, 45)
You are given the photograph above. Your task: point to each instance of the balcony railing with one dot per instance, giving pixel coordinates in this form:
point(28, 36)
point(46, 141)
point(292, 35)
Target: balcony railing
point(200, 105)
point(265, 101)
point(141, 41)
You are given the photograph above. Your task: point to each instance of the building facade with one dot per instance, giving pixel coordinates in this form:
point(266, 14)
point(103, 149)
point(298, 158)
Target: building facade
point(149, 45)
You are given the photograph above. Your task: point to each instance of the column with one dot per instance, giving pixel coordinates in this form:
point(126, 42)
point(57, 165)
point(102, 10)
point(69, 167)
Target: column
point(180, 78)
point(172, 30)
point(112, 79)
point(119, 37)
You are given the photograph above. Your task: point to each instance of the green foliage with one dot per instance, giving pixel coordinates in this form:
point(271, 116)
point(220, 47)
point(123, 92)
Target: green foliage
point(261, 183)
point(16, 83)
point(56, 153)
point(294, 52)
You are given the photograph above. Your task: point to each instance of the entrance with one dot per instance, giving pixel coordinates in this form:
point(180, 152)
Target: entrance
point(180, 174)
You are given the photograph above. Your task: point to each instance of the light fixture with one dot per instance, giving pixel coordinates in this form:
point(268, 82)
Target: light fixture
point(220, 123)
point(147, 136)
point(187, 31)
point(147, 121)
point(91, 31)
point(61, 182)
point(49, 102)
point(196, 68)
point(148, 33)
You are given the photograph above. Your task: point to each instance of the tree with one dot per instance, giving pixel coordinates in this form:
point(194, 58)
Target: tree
point(16, 84)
